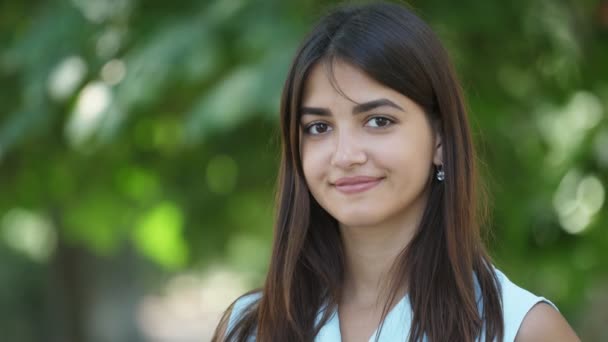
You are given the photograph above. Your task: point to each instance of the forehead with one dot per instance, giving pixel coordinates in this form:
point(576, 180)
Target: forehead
point(340, 84)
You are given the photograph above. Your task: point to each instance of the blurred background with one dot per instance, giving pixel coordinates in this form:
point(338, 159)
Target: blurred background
point(139, 149)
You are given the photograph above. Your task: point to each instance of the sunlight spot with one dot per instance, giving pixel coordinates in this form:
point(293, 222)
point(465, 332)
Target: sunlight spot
point(576, 222)
point(29, 233)
point(590, 194)
point(586, 109)
point(98, 11)
point(577, 200)
point(564, 128)
point(93, 100)
point(109, 42)
point(66, 77)
point(113, 72)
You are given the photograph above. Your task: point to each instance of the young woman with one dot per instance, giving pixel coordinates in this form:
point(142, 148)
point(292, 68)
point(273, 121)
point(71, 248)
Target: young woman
point(376, 235)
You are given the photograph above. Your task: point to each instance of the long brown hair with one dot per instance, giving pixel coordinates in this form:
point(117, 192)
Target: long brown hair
point(446, 256)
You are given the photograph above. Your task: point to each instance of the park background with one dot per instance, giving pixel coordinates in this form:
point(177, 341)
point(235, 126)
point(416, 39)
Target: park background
point(139, 149)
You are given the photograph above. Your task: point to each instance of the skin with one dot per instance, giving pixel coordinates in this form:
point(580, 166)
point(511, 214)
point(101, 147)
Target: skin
point(396, 143)
point(545, 324)
point(393, 142)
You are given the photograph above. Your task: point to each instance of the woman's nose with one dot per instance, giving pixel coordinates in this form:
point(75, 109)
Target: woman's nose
point(348, 151)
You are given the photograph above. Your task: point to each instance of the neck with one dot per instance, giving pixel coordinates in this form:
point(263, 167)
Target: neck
point(370, 252)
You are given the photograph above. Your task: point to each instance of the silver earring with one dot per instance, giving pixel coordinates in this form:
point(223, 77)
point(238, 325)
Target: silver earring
point(440, 173)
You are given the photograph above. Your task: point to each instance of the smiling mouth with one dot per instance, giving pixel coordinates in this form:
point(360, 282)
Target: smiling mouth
point(357, 187)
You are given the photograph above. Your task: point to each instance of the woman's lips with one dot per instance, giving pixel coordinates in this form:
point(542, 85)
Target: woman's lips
point(356, 184)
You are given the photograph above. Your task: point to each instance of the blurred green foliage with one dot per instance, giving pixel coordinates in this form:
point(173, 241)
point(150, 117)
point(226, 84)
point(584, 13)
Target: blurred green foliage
point(151, 126)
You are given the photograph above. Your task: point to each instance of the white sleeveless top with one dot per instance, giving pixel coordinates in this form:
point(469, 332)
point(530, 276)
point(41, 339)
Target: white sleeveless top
point(516, 302)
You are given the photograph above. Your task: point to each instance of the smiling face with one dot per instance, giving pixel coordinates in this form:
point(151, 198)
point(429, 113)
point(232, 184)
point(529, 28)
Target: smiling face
point(366, 162)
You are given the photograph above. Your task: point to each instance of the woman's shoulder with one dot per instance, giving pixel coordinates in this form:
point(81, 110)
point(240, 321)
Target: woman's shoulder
point(515, 298)
point(241, 305)
point(544, 323)
point(522, 309)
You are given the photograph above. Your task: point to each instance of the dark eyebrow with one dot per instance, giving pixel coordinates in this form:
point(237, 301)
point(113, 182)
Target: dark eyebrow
point(359, 108)
point(367, 106)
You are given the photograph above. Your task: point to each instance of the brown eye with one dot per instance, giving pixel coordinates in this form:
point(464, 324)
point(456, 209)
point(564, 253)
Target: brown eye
point(317, 128)
point(379, 121)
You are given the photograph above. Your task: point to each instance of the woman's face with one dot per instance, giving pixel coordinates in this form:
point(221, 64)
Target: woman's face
point(369, 162)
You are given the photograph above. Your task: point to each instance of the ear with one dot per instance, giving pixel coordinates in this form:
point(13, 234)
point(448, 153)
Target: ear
point(438, 149)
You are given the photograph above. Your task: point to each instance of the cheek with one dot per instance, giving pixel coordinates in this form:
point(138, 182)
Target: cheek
point(313, 162)
point(413, 156)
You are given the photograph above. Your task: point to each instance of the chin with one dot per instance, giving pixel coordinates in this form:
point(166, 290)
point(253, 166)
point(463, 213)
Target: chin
point(358, 218)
